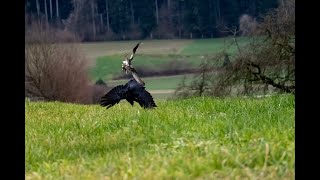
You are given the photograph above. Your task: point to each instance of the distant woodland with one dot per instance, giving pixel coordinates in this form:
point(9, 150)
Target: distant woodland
point(99, 20)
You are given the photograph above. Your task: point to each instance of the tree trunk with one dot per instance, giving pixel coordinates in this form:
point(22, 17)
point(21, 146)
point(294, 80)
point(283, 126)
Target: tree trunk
point(46, 11)
point(254, 8)
point(38, 8)
point(169, 4)
point(50, 4)
point(218, 12)
point(93, 23)
point(179, 20)
point(132, 12)
point(107, 11)
point(57, 9)
point(101, 23)
point(157, 12)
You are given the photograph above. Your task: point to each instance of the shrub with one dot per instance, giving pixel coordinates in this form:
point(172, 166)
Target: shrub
point(100, 82)
point(54, 71)
point(98, 91)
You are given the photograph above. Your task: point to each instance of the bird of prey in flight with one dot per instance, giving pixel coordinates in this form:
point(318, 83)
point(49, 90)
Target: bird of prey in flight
point(131, 91)
point(127, 61)
point(127, 65)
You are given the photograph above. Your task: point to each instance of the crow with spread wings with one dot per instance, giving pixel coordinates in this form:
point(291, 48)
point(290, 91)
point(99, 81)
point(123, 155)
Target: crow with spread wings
point(131, 91)
point(134, 90)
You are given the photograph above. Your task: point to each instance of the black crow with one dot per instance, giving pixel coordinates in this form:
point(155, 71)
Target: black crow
point(131, 91)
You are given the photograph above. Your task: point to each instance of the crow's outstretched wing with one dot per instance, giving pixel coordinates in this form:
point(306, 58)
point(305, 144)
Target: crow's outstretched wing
point(130, 99)
point(112, 97)
point(145, 99)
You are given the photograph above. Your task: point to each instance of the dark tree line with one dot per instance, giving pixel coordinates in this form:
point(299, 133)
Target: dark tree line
point(129, 19)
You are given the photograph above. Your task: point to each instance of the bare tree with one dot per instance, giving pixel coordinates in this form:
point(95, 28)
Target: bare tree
point(247, 25)
point(165, 28)
point(266, 64)
point(81, 20)
point(54, 71)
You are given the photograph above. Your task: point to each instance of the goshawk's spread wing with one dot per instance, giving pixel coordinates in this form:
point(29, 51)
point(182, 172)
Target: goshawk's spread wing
point(134, 51)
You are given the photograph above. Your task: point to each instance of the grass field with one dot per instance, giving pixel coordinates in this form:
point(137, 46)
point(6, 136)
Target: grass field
point(160, 87)
point(152, 54)
point(108, 66)
point(211, 46)
point(197, 138)
point(106, 59)
point(158, 83)
point(164, 47)
point(97, 49)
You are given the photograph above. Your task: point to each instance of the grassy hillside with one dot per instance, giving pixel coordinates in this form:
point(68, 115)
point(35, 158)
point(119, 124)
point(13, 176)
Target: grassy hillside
point(108, 66)
point(97, 49)
point(205, 138)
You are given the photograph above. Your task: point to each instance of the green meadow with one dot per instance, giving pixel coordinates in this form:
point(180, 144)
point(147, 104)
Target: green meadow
point(196, 138)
